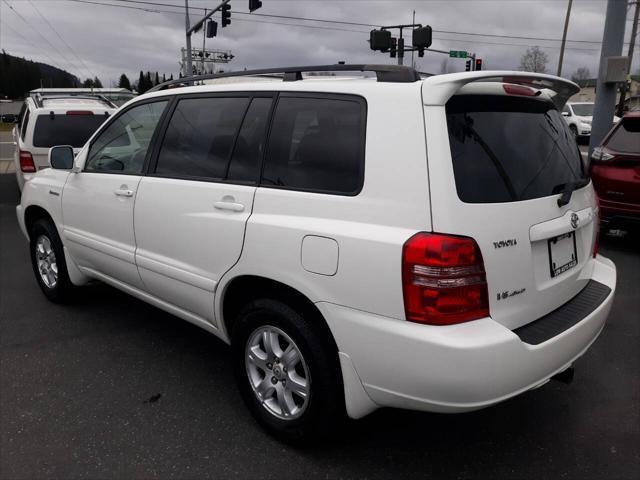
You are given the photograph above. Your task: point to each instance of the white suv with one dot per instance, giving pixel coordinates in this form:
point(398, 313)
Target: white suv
point(58, 120)
point(579, 116)
point(422, 243)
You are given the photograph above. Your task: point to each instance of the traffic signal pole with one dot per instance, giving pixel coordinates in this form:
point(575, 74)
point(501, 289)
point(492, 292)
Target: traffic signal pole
point(197, 26)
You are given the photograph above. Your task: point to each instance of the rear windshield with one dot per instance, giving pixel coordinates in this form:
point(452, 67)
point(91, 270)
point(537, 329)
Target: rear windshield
point(626, 138)
point(74, 130)
point(508, 149)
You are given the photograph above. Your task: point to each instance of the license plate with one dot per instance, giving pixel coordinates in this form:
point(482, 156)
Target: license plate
point(562, 253)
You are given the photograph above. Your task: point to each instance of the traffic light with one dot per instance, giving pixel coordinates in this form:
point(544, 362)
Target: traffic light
point(212, 29)
point(468, 66)
point(400, 47)
point(393, 49)
point(421, 37)
point(226, 15)
point(380, 40)
point(478, 64)
point(254, 5)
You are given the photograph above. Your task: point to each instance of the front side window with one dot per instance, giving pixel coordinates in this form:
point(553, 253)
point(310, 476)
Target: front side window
point(316, 144)
point(122, 146)
point(200, 137)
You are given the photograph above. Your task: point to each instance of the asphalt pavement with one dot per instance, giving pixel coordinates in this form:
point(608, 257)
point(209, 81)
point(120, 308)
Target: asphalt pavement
point(109, 387)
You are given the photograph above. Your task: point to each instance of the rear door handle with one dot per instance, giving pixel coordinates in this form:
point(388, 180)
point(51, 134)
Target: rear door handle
point(123, 192)
point(228, 203)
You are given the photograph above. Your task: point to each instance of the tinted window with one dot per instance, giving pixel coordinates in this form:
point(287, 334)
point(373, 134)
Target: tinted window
point(316, 144)
point(200, 137)
point(74, 130)
point(122, 146)
point(508, 149)
point(23, 110)
point(25, 123)
point(626, 138)
point(247, 154)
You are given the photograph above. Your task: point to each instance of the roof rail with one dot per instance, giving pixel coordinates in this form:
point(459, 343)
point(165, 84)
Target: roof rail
point(384, 73)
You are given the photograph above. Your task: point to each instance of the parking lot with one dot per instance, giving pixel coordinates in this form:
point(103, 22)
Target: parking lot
point(109, 387)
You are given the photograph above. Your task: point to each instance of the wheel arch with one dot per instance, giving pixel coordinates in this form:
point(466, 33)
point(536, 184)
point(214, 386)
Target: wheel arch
point(33, 213)
point(244, 288)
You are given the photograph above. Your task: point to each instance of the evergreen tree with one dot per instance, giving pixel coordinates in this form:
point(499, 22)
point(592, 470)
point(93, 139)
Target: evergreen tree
point(141, 89)
point(97, 83)
point(164, 78)
point(156, 80)
point(88, 83)
point(124, 82)
point(148, 83)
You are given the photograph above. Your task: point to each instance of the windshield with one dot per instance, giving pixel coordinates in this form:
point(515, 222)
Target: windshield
point(74, 130)
point(583, 109)
point(507, 149)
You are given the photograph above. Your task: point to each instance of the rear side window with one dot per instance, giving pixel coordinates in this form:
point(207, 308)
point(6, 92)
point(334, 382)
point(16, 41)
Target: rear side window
point(317, 144)
point(74, 130)
point(25, 123)
point(507, 149)
point(200, 137)
point(626, 138)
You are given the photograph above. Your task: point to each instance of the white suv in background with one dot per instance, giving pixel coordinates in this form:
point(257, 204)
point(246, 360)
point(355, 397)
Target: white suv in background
point(413, 242)
point(579, 116)
point(58, 120)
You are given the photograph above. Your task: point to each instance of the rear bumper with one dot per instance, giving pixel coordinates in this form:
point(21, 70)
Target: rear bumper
point(454, 368)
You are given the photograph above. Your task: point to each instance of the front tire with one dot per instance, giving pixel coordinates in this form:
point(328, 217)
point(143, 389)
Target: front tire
point(287, 372)
point(48, 261)
point(574, 130)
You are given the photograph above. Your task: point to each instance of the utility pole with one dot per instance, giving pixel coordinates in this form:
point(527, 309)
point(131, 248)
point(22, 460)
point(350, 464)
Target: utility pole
point(413, 64)
point(632, 41)
point(564, 37)
point(189, 71)
point(612, 41)
point(204, 39)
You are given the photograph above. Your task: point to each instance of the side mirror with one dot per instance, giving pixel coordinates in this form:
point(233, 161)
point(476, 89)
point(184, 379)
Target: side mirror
point(61, 157)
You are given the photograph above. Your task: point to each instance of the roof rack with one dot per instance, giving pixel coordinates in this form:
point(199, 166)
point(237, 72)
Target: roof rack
point(39, 98)
point(384, 73)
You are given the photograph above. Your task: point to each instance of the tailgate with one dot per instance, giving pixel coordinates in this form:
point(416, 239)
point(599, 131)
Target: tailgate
point(499, 158)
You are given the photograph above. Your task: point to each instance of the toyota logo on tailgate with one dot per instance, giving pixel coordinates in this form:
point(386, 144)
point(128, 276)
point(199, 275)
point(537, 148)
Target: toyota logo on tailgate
point(574, 220)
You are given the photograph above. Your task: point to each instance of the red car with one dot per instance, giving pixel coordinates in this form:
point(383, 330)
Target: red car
point(615, 171)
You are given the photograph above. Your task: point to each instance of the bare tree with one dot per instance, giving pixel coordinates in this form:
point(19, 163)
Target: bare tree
point(580, 74)
point(534, 60)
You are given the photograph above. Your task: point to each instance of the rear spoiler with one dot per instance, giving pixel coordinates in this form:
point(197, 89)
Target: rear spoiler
point(438, 89)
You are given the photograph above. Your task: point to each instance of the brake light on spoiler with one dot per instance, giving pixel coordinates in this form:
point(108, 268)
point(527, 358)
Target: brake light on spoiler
point(443, 279)
point(79, 112)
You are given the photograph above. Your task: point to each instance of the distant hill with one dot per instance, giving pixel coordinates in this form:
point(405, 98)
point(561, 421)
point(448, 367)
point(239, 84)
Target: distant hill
point(18, 76)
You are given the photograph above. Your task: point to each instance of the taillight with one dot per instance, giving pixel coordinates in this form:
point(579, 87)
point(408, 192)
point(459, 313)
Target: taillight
point(596, 242)
point(26, 162)
point(79, 112)
point(599, 155)
point(443, 279)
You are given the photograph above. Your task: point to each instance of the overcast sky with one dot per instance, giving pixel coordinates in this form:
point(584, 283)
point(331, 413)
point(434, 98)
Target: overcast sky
point(112, 39)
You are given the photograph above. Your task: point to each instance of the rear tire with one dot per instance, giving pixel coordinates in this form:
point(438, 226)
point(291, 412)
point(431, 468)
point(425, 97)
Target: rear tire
point(48, 261)
point(301, 403)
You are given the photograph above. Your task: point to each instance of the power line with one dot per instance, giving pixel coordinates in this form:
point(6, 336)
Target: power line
point(41, 36)
point(91, 74)
point(324, 20)
point(150, 10)
point(38, 50)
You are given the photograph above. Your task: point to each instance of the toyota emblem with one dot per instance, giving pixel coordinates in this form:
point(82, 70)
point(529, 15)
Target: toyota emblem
point(574, 220)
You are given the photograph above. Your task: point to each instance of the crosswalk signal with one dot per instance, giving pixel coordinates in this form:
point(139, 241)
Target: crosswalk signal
point(478, 64)
point(212, 29)
point(468, 66)
point(254, 5)
point(226, 15)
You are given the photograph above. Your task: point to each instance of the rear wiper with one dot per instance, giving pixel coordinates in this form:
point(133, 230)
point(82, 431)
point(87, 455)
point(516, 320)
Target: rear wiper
point(567, 189)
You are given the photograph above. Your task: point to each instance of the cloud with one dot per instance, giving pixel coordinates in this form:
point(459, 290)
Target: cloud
point(112, 40)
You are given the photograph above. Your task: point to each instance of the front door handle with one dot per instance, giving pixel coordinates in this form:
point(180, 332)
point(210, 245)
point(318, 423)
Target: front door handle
point(123, 191)
point(229, 203)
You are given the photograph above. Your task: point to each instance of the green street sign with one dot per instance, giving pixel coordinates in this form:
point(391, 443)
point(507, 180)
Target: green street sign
point(457, 54)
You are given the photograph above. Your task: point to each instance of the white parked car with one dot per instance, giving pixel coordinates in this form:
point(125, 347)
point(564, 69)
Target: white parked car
point(579, 116)
point(47, 121)
point(422, 243)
